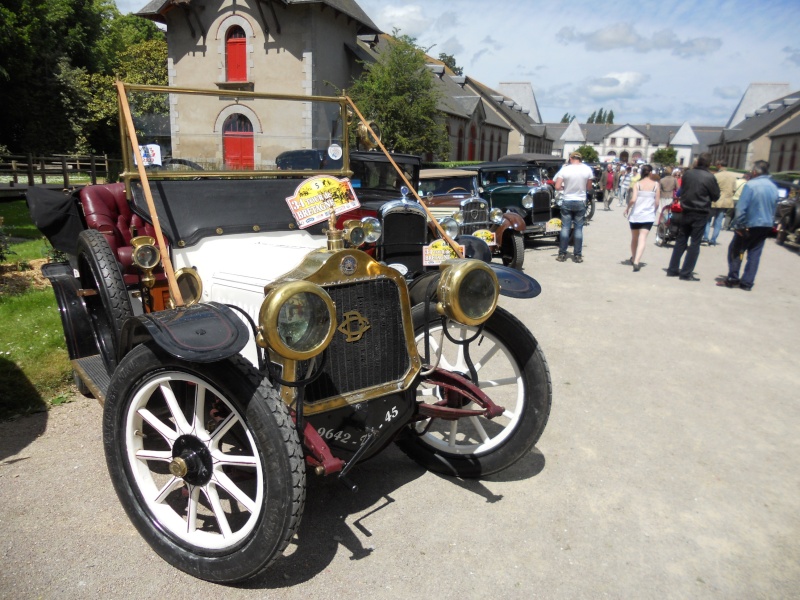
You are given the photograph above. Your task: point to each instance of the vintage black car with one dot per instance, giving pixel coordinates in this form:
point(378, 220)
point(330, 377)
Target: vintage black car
point(239, 339)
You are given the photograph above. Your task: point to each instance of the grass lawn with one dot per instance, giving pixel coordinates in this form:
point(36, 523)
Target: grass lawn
point(34, 365)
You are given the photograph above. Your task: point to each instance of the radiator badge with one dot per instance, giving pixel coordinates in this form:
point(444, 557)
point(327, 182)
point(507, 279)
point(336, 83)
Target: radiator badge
point(353, 326)
point(348, 265)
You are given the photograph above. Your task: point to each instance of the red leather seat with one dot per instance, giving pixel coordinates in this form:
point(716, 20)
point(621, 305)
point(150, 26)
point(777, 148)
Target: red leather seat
point(106, 209)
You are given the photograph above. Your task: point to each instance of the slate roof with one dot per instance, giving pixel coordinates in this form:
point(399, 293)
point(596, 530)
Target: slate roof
point(154, 9)
point(510, 110)
point(791, 127)
point(765, 117)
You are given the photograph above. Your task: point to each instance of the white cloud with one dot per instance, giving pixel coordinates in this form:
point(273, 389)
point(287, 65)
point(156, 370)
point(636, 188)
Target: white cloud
point(452, 46)
point(624, 36)
point(615, 85)
point(409, 19)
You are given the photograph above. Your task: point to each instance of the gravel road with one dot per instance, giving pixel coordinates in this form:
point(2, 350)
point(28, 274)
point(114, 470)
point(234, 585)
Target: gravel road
point(668, 469)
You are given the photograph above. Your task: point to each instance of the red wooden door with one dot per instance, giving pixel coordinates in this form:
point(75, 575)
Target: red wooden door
point(237, 143)
point(236, 54)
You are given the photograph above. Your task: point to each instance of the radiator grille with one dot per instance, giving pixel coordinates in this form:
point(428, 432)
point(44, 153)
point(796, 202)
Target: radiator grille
point(475, 217)
point(380, 356)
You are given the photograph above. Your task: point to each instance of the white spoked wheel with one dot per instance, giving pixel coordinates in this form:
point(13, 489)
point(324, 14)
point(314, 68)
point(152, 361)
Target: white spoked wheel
point(182, 463)
point(511, 370)
point(206, 462)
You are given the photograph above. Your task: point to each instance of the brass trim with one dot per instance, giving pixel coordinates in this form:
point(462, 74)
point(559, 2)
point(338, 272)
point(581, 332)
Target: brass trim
point(192, 273)
point(268, 319)
point(145, 240)
point(454, 273)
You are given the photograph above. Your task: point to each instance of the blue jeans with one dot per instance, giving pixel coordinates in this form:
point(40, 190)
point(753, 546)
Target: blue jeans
point(716, 215)
point(752, 242)
point(572, 212)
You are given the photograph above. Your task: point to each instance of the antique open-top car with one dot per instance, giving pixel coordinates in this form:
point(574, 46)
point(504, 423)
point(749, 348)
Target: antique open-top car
point(238, 338)
point(453, 197)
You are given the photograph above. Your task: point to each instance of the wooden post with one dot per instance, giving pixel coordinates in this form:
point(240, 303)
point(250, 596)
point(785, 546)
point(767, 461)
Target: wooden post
point(30, 169)
point(14, 171)
point(44, 169)
point(64, 171)
point(93, 169)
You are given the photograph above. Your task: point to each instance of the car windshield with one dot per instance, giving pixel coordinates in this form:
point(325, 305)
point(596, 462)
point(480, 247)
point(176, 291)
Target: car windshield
point(516, 175)
point(447, 185)
point(374, 175)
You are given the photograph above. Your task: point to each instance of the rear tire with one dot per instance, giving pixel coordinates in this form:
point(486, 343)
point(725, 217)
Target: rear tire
point(109, 307)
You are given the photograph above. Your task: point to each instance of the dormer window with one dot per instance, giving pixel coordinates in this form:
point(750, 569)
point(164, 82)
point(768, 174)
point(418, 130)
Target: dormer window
point(236, 54)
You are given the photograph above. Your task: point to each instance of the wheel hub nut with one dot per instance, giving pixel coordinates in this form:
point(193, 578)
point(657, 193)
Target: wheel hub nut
point(178, 467)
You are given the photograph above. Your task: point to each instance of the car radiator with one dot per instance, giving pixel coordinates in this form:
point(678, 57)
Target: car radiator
point(379, 356)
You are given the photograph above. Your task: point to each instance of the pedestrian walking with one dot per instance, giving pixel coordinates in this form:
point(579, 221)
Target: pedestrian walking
point(608, 187)
point(574, 179)
point(752, 224)
point(698, 190)
point(642, 211)
point(727, 187)
point(624, 185)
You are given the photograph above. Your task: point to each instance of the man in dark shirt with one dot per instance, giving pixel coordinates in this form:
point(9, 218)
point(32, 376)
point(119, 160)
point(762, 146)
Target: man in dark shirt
point(698, 190)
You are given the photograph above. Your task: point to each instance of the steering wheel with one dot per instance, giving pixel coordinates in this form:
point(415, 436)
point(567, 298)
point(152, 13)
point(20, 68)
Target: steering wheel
point(451, 190)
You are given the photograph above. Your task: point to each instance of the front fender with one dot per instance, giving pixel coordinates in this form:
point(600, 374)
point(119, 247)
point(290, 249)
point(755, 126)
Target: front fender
point(201, 333)
point(512, 221)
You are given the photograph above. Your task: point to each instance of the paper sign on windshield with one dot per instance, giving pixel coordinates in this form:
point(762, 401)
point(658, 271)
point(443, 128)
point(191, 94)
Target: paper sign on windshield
point(438, 252)
point(486, 235)
point(314, 198)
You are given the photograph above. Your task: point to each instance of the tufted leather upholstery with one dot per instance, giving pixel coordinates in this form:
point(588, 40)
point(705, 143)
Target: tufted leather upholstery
point(106, 209)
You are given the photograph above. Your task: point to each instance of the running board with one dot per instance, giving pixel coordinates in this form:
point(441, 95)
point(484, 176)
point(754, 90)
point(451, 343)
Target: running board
point(92, 371)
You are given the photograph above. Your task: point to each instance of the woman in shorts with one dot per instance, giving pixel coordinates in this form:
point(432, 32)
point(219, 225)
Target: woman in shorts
point(641, 211)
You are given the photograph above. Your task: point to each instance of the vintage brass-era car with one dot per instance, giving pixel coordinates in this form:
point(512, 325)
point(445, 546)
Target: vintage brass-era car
point(239, 340)
point(453, 196)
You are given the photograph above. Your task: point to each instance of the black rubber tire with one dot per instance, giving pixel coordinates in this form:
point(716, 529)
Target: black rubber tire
point(262, 431)
point(781, 234)
point(662, 231)
point(590, 208)
point(111, 306)
point(513, 442)
point(513, 250)
point(82, 389)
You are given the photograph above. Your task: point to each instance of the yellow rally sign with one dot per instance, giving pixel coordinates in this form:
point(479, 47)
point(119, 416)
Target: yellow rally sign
point(315, 197)
point(438, 252)
point(486, 235)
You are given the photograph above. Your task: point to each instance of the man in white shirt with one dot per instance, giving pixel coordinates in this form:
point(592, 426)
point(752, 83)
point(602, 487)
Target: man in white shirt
point(574, 180)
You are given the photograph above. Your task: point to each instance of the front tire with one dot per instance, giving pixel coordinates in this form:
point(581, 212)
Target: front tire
point(206, 462)
point(513, 250)
point(513, 371)
point(591, 204)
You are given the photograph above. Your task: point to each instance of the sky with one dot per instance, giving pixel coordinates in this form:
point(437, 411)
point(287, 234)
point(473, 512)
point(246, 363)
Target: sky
point(650, 62)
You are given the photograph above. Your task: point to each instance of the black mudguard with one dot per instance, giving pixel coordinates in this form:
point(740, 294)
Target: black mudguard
point(75, 319)
point(475, 247)
point(201, 333)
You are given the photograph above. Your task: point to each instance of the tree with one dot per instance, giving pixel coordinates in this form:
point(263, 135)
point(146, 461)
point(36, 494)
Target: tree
point(399, 93)
point(588, 153)
point(567, 117)
point(610, 117)
point(591, 117)
point(601, 117)
point(450, 61)
point(665, 156)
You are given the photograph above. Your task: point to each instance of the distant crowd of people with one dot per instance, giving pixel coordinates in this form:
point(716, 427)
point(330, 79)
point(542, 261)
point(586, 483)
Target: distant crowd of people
point(707, 202)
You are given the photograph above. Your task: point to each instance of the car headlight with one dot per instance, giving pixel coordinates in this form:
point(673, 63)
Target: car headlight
point(468, 291)
point(190, 285)
point(496, 216)
point(372, 229)
point(354, 233)
point(458, 217)
point(450, 226)
point(297, 320)
point(527, 200)
point(145, 254)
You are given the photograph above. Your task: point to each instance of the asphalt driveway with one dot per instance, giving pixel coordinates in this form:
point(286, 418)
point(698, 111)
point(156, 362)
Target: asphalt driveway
point(668, 470)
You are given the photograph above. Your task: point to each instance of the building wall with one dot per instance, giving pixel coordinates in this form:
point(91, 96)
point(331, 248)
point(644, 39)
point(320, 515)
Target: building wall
point(784, 154)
